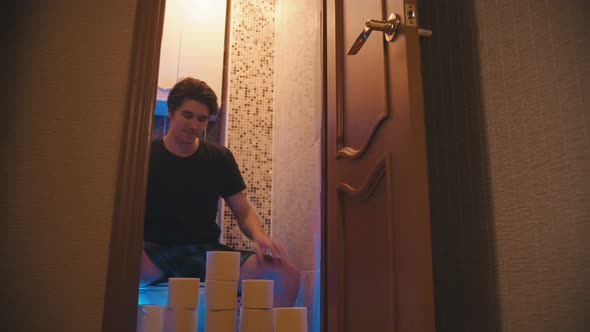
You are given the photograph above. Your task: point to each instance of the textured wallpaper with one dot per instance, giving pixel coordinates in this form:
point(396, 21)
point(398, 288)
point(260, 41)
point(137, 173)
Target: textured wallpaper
point(506, 87)
point(67, 73)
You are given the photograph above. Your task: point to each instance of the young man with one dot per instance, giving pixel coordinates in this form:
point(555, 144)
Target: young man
point(186, 178)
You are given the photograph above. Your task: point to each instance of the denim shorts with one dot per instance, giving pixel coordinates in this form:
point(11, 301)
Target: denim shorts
point(185, 261)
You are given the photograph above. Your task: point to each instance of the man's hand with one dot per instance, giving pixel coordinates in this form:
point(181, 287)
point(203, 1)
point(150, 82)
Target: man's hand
point(251, 226)
point(262, 242)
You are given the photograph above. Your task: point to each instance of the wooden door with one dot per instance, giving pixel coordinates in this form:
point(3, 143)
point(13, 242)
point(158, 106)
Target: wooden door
point(378, 266)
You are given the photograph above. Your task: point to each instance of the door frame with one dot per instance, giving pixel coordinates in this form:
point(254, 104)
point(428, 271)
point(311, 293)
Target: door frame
point(125, 246)
point(323, 173)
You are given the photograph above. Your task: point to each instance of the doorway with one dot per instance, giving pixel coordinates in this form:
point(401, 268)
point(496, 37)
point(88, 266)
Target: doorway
point(270, 114)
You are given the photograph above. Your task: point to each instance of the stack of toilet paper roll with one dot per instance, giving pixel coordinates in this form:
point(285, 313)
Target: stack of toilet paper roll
point(290, 319)
point(257, 302)
point(183, 300)
point(150, 318)
point(221, 288)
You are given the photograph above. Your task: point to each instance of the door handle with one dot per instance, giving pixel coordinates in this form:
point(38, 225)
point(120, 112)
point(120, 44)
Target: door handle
point(389, 28)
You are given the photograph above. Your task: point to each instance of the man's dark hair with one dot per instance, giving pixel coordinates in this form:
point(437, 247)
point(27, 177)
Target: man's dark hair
point(194, 89)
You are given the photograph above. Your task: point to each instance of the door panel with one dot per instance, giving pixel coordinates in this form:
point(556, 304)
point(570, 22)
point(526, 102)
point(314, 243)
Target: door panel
point(377, 254)
point(364, 213)
point(362, 75)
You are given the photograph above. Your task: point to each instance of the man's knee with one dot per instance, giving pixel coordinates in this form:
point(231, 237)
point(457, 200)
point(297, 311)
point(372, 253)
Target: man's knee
point(149, 272)
point(285, 273)
point(269, 268)
point(282, 272)
point(290, 272)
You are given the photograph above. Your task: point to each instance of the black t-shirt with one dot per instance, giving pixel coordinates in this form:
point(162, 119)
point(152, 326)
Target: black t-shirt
point(183, 193)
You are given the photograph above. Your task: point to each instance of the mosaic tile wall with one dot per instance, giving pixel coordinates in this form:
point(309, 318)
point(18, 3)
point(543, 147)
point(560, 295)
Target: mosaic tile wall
point(250, 109)
point(273, 128)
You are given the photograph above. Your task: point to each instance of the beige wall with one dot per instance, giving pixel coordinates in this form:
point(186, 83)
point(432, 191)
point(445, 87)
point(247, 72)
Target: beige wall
point(193, 42)
point(507, 99)
point(67, 65)
point(296, 164)
point(296, 132)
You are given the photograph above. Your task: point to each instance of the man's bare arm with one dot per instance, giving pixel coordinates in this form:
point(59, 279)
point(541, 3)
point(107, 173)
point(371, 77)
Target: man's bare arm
point(250, 224)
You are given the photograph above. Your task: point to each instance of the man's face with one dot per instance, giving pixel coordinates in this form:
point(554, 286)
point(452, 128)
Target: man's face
point(189, 121)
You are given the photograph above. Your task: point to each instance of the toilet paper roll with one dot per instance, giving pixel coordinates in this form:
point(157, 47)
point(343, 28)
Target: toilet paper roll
point(150, 318)
point(220, 294)
point(220, 321)
point(183, 293)
point(257, 294)
point(255, 320)
point(290, 319)
point(180, 320)
point(223, 265)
